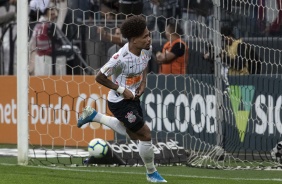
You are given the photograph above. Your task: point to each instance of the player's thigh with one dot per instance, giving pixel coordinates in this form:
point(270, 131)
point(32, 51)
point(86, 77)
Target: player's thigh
point(143, 134)
point(129, 112)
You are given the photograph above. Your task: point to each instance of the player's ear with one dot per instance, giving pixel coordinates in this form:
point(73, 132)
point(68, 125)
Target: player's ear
point(133, 39)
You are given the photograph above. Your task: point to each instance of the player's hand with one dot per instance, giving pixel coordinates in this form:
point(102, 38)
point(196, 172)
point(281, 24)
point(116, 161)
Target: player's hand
point(127, 94)
point(140, 90)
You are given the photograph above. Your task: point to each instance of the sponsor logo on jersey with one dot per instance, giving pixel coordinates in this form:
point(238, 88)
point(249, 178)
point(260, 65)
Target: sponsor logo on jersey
point(130, 80)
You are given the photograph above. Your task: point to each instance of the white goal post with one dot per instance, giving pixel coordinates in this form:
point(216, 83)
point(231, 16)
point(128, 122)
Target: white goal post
point(22, 81)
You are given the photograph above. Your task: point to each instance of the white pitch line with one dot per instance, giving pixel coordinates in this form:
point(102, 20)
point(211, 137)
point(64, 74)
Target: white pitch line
point(138, 173)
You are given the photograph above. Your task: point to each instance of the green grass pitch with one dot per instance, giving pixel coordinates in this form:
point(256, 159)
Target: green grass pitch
point(11, 173)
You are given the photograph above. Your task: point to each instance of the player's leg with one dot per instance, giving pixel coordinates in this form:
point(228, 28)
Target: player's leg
point(91, 115)
point(146, 152)
point(132, 117)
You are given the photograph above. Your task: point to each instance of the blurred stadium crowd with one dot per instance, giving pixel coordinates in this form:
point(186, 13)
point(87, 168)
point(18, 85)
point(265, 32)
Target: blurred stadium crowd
point(248, 18)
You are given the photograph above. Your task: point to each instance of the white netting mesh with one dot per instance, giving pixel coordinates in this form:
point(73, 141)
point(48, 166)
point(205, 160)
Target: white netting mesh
point(222, 121)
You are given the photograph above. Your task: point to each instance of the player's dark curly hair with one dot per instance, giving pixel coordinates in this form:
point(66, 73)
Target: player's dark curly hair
point(133, 26)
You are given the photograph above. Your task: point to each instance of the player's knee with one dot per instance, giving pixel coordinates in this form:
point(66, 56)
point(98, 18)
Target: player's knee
point(145, 136)
point(142, 135)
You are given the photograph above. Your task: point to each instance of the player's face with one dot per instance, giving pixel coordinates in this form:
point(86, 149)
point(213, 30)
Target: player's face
point(143, 41)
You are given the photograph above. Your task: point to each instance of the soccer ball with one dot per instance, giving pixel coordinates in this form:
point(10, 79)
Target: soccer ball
point(97, 148)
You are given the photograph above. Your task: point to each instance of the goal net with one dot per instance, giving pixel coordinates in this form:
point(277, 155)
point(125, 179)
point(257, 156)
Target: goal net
point(225, 112)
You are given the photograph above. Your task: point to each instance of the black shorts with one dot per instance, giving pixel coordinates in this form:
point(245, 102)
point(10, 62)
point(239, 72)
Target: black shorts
point(129, 112)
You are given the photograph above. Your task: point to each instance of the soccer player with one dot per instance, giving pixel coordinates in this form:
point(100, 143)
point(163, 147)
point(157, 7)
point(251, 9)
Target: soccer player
point(128, 71)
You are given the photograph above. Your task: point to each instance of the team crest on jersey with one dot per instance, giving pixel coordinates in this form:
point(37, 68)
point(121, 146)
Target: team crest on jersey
point(143, 55)
point(116, 56)
point(131, 117)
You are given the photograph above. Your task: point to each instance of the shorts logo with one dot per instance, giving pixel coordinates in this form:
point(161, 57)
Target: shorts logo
point(131, 117)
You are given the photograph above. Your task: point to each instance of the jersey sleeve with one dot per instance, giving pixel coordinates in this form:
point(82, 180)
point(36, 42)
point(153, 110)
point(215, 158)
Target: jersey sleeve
point(113, 65)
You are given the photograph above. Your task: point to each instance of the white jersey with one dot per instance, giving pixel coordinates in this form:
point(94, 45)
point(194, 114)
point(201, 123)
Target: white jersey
point(126, 70)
